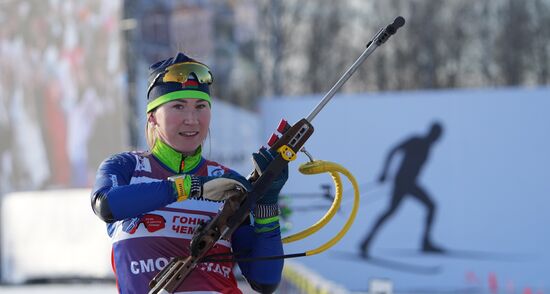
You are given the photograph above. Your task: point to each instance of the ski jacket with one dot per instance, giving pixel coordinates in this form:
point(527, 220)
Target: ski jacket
point(148, 227)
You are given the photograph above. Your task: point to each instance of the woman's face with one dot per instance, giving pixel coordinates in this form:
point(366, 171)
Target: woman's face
point(183, 124)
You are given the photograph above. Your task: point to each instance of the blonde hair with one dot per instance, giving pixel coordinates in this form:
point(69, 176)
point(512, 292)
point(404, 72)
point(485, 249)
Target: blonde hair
point(150, 133)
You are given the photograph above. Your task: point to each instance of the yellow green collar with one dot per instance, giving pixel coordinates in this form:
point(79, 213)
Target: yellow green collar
point(174, 160)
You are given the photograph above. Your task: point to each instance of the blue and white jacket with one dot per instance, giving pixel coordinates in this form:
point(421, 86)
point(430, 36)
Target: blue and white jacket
point(148, 227)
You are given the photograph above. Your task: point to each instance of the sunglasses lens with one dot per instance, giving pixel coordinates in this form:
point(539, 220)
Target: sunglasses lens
point(130, 226)
point(180, 72)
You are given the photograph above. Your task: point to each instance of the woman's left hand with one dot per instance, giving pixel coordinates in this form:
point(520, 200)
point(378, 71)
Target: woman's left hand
point(261, 159)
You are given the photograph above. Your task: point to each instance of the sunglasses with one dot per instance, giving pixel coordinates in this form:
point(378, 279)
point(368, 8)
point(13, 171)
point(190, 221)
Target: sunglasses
point(152, 222)
point(179, 73)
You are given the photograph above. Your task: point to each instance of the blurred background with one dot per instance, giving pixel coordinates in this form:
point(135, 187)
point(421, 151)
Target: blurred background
point(73, 80)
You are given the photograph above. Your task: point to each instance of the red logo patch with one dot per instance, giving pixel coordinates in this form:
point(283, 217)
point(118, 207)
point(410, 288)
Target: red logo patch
point(190, 84)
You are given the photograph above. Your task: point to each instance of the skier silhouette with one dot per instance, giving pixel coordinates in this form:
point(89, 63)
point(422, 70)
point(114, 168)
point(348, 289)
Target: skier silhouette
point(415, 153)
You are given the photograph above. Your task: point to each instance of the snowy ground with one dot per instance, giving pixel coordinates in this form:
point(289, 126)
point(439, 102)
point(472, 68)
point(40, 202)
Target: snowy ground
point(88, 288)
point(95, 288)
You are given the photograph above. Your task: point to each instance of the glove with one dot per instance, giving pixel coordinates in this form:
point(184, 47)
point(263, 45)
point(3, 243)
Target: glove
point(211, 188)
point(261, 160)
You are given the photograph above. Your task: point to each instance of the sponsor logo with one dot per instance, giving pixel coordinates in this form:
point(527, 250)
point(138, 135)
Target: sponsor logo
point(151, 222)
point(215, 171)
point(148, 265)
point(151, 265)
point(215, 268)
point(185, 224)
point(143, 164)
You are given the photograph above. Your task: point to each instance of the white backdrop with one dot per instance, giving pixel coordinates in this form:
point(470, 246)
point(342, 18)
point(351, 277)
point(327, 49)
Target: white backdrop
point(52, 234)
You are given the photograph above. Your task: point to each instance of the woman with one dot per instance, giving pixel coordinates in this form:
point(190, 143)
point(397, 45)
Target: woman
point(171, 189)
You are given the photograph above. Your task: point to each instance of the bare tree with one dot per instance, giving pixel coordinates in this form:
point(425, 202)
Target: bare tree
point(540, 37)
point(444, 44)
point(513, 42)
point(323, 48)
point(277, 28)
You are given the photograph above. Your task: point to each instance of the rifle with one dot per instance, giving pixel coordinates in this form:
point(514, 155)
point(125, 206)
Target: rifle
point(236, 208)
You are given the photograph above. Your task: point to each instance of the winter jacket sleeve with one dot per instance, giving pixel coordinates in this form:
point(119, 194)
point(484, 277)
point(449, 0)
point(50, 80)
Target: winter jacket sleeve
point(114, 199)
point(263, 275)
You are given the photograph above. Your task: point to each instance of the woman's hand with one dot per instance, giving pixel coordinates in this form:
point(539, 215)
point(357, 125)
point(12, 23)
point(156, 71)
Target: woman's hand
point(261, 159)
point(210, 187)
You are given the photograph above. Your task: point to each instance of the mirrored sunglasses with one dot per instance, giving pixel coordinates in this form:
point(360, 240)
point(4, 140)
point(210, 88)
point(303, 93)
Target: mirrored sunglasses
point(179, 73)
